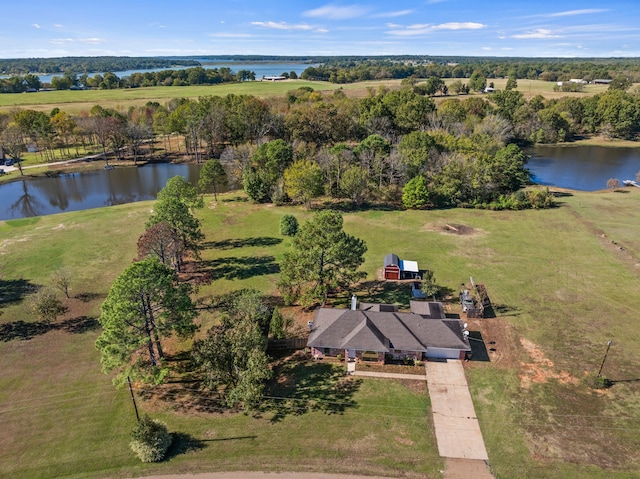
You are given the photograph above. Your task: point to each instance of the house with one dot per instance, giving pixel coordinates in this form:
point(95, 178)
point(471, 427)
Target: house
point(381, 334)
point(395, 268)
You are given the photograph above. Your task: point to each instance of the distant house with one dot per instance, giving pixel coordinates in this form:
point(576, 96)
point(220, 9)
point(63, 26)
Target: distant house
point(395, 268)
point(601, 81)
point(274, 78)
point(382, 335)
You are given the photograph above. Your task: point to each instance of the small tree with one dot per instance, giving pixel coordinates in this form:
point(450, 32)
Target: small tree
point(415, 193)
point(279, 325)
point(288, 225)
point(151, 439)
point(613, 184)
point(212, 176)
point(429, 285)
point(46, 306)
point(61, 280)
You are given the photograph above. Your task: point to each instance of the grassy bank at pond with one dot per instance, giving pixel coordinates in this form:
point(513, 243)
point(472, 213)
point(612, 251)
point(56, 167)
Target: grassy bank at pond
point(560, 290)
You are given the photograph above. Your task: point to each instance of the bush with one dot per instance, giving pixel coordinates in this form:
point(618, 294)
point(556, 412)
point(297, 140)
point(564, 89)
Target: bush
point(151, 439)
point(288, 225)
point(595, 381)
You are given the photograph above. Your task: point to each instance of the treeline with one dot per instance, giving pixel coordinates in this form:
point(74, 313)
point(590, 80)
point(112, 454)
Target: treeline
point(21, 66)
point(550, 69)
point(392, 146)
point(111, 81)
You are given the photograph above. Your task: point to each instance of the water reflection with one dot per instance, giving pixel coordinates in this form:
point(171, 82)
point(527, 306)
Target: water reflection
point(79, 191)
point(584, 168)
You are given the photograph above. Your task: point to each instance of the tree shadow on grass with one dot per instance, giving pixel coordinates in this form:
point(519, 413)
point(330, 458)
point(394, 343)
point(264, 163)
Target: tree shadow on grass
point(15, 290)
point(349, 207)
point(78, 325)
point(302, 387)
point(243, 242)
point(24, 331)
point(239, 267)
point(88, 297)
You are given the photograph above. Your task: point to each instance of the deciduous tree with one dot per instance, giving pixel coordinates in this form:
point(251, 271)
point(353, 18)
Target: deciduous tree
point(233, 355)
point(303, 181)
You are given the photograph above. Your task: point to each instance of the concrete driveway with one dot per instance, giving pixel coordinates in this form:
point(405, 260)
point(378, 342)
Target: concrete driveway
point(454, 417)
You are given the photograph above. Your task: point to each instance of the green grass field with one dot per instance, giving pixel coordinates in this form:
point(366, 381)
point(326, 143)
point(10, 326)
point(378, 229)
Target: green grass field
point(77, 101)
point(563, 280)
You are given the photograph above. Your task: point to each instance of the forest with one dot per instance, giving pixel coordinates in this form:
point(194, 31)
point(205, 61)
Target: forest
point(22, 66)
point(394, 145)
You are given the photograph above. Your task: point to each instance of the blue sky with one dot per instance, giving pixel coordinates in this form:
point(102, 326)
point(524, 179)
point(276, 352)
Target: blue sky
point(537, 28)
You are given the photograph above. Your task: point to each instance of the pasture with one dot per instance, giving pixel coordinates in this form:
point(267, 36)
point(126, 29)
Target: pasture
point(563, 282)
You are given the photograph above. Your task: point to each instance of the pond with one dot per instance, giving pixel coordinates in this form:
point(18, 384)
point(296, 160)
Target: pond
point(80, 191)
point(576, 167)
point(584, 168)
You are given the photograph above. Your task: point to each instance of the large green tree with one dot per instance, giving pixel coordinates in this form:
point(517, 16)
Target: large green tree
point(233, 354)
point(324, 258)
point(144, 306)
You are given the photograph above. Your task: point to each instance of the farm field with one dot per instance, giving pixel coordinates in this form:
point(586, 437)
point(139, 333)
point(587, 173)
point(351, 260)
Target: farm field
point(563, 282)
point(76, 101)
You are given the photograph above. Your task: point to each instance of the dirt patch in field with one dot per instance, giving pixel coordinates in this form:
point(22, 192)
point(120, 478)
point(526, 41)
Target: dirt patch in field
point(452, 229)
point(540, 370)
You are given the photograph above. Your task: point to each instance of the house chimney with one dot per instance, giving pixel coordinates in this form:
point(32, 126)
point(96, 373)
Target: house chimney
point(354, 302)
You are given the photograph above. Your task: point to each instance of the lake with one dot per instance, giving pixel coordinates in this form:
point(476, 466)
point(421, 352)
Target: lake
point(576, 167)
point(259, 68)
point(585, 168)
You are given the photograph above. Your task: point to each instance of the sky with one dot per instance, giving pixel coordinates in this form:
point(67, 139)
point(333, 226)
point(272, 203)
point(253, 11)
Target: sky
point(537, 28)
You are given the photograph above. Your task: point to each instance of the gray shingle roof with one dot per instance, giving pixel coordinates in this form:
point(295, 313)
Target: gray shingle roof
point(382, 331)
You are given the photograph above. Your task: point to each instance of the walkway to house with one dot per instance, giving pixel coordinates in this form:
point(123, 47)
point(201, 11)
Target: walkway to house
point(456, 425)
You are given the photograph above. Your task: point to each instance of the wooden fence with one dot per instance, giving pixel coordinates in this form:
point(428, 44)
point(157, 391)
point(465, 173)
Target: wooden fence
point(287, 344)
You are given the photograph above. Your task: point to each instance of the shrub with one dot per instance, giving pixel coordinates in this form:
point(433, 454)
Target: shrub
point(288, 225)
point(339, 357)
point(46, 306)
point(151, 439)
point(596, 381)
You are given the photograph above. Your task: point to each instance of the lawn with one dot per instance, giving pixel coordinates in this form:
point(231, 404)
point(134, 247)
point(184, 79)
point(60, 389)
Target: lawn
point(563, 282)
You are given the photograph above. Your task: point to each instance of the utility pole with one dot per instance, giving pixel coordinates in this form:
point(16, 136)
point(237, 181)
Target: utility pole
point(133, 398)
point(609, 343)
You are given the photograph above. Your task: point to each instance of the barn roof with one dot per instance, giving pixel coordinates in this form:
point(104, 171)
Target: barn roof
point(391, 259)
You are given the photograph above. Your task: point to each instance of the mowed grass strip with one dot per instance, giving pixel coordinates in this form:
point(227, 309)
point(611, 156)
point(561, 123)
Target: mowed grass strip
point(553, 278)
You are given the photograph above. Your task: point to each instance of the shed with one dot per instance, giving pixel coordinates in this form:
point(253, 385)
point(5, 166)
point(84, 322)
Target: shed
point(391, 266)
point(409, 269)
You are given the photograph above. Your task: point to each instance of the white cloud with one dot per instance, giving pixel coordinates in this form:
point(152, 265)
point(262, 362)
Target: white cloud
point(282, 26)
point(334, 12)
point(57, 25)
point(459, 26)
point(35, 25)
point(399, 13)
point(571, 13)
point(424, 28)
point(89, 41)
point(539, 33)
point(486, 48)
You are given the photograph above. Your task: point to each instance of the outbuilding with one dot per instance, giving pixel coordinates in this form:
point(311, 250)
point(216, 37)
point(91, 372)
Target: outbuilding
point(391, 267)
